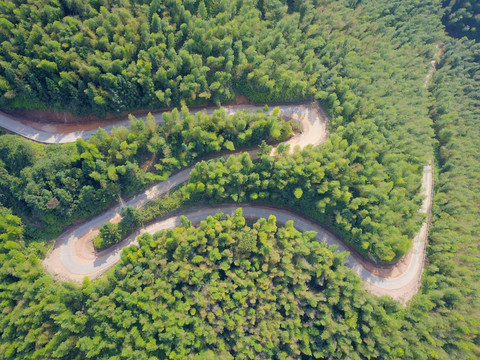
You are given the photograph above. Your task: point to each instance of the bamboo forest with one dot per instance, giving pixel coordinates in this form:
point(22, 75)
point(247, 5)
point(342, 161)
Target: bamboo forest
point(239, 179)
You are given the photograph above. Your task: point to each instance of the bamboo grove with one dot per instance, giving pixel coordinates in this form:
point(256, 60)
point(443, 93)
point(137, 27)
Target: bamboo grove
point(231, 288)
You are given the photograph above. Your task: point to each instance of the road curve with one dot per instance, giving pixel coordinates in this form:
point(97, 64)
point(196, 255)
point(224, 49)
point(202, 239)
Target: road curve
point(73, 256)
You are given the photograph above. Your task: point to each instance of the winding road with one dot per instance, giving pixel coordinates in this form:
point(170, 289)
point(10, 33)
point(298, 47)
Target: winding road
point(73, 256)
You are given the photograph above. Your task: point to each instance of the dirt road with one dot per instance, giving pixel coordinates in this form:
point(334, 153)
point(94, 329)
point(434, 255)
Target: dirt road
point(73, 256)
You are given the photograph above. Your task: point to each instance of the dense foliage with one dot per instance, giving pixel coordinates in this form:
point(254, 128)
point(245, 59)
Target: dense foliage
point(384, 133)
point(225, 289)
point(366, 61)
point(371, 166)
point(235, 291)
point(59, 184)
point(462, 18)
point(442, 321)
point(110, 56)
point(338, 194)
point(446, 316)
point(366, 176)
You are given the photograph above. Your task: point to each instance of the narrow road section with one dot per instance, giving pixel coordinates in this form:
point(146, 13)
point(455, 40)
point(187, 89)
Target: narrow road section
point(312, 134)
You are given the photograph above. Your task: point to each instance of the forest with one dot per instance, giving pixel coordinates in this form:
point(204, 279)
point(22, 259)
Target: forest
point(377, 223)
point(59, 184)
point(462, 18)
point(230, 287)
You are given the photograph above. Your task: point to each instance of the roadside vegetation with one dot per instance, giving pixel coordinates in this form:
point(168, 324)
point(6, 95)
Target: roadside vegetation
point(225, 289)
point(462, 18)
point(447, 313)
point(364, 61)
point(52, 186)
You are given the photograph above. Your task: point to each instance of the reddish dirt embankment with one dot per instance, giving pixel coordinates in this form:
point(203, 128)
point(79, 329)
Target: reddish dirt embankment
point(62, 122)
point(64, 117)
